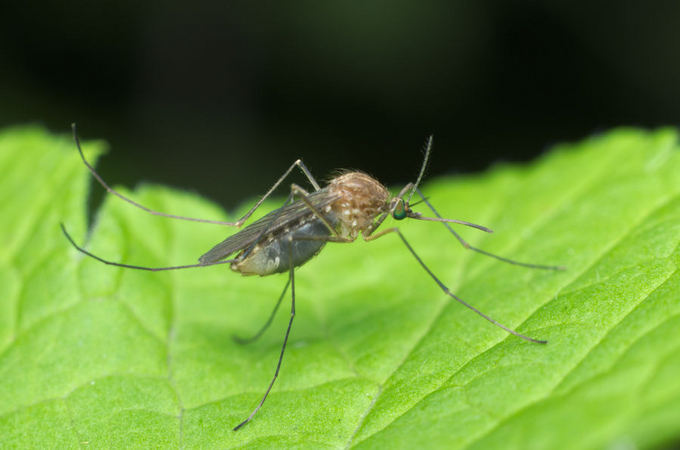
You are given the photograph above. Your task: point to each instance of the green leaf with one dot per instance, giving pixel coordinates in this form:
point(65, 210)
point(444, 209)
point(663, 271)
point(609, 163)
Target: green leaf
point(378, 355)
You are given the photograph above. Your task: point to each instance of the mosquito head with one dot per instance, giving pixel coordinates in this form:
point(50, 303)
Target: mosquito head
point(400, 209)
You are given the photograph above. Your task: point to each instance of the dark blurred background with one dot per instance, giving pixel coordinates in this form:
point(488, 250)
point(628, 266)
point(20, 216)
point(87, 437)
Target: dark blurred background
point(222, 97)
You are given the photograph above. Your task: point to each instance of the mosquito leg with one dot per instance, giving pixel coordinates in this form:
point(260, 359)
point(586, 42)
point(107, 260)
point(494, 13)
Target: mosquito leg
point(256, 336)
point(304, 196)
point(250, 248)
point(298, 191)
point(470, 247)
point(237, 224)
point(128, 266)
point(304, 170)
point(283, 348)
point(445, 288)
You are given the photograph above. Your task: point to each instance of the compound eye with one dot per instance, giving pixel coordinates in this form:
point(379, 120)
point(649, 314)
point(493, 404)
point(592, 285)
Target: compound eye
point(399, 211)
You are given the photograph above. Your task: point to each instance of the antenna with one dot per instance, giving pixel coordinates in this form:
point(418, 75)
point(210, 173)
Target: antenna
point(428, 148)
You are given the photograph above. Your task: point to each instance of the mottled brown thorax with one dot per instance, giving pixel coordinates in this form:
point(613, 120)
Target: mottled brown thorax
point(362, 200)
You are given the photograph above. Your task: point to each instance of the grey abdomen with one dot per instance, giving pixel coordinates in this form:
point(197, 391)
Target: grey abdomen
point(277, 255)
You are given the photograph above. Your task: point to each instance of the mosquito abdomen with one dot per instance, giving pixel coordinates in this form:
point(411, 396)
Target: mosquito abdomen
point(273, 255)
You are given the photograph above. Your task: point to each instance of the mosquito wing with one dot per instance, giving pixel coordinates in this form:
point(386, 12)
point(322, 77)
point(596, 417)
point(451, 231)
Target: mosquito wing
point(283, 218)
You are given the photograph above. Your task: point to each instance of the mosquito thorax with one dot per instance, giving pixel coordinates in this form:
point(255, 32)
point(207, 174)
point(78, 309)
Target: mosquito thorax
point(362, 198)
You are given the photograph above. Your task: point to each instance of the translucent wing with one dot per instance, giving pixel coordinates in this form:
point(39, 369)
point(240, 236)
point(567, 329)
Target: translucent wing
point(283, 217)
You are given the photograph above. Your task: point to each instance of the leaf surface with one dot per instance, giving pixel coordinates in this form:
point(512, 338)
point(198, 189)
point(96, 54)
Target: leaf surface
point(378, 355)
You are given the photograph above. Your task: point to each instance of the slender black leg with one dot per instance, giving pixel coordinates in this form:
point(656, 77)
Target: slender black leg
point(237, 224)
point(256, 336)
point(470, 247)
point(283, 349)
point(446, 289)
point(129, 266)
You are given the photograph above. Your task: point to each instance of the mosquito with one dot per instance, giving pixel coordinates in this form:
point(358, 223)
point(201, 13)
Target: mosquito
point(352, 203)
